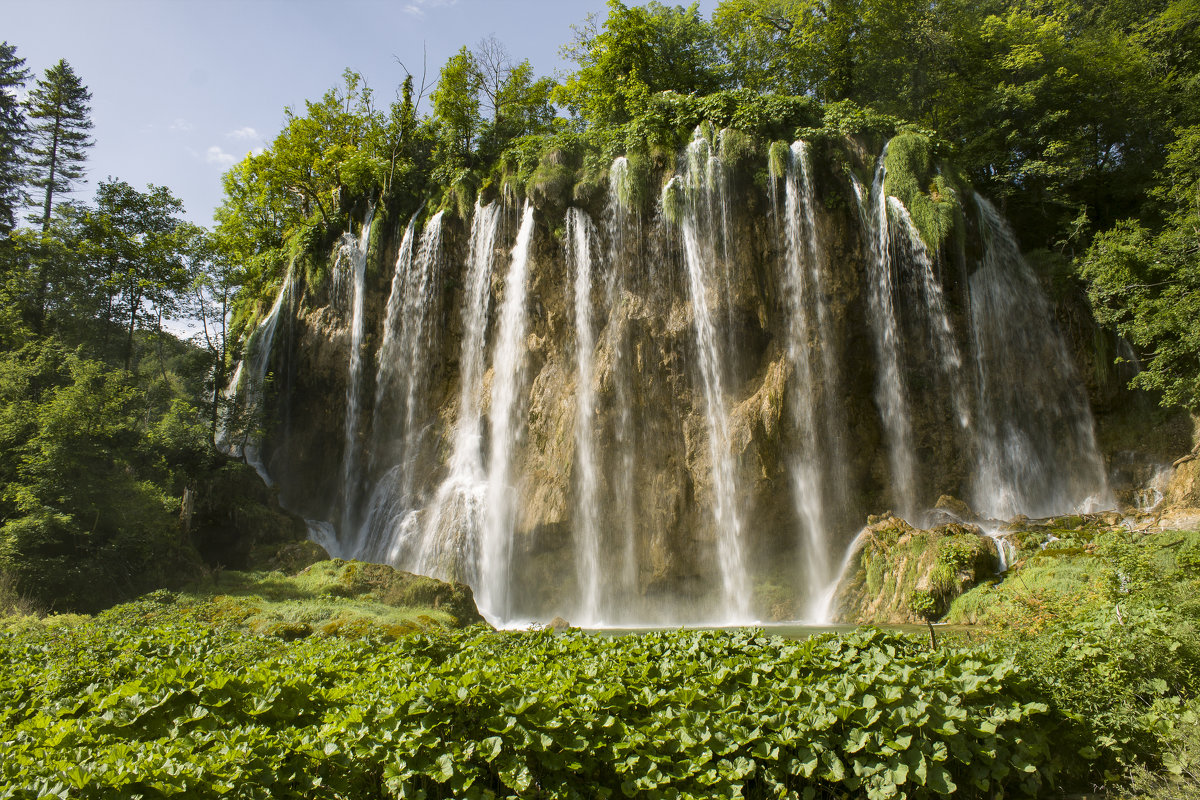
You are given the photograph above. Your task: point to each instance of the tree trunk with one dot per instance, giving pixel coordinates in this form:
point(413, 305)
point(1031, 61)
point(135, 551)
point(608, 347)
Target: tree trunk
point(39, 321)
point(133, 309)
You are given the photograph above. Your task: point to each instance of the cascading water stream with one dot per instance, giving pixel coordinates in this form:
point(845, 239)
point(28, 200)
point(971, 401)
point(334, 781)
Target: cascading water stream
point(246, 388)
point(495, 546)
point(834, 422)
point(352, 259)
point(620, 219)
point(934, 308)
point(891, 392)
point(1036, 447)
point(703, 241)
point(449, 538)
point(587, 522)
point(809, 339)
point(411, 335)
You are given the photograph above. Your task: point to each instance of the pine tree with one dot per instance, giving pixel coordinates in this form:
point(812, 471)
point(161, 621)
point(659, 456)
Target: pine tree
point(59, 124)
point(12, 134)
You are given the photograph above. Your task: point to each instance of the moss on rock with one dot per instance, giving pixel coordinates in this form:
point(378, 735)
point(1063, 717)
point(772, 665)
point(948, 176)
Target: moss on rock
point(901, 574)
point(932, 199)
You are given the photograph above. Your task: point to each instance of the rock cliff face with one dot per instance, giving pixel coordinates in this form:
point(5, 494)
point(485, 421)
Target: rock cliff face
point(670, 415)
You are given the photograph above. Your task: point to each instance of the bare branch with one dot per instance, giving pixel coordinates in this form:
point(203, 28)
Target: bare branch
point(426, 85)
point(779, 23)
point(495, 66)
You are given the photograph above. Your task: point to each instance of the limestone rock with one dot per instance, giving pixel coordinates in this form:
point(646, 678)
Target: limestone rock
point(1183, 490)
point(900, 574)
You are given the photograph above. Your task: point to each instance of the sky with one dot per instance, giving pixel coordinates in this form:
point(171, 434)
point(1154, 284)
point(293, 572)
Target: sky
point(182, 89)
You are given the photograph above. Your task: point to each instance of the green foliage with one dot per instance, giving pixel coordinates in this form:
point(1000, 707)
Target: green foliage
point(59, 120)
point(12, 134)
point(87, 520)
point(145, 700)
point(641, 51)
point(924, 604)
point(912, 177)
point(1146, 284)
point(1104, 620)
point(1124, 677)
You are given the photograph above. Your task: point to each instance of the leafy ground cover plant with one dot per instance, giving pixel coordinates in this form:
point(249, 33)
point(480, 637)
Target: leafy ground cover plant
point(166, 705)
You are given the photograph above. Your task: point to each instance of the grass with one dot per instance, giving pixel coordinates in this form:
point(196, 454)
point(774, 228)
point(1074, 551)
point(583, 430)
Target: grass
point(330, 598)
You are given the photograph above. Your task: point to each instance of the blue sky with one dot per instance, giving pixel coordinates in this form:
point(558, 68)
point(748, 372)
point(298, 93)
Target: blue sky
point(183, 88)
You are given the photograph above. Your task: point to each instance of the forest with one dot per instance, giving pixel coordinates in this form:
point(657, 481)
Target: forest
point(129, 673)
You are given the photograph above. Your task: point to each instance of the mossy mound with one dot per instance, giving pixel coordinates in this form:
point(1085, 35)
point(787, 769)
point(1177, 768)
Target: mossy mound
point(391, 587)
point(900, 574)
point(1070, 563)
point(330, 598)
point(932, 199)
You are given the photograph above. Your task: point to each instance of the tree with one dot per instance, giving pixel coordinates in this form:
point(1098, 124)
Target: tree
point(216, 276)
point(513, 101)
point(456, 108)
point(139, 245)
point(12, 134)
point(59, 113)
point(1146, 284)
point(330, 148)
point(641, 50)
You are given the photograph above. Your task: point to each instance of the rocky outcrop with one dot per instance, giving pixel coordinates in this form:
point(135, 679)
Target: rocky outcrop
point(392, 587)
point(900, 574)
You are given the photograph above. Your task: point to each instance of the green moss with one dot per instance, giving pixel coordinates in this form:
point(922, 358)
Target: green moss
point(636, 193)
point(933, 201)
point(736, 147)
point(551, 184)
point(673, 200)
point(778, 155)
point(354, 595)
point(876, 571)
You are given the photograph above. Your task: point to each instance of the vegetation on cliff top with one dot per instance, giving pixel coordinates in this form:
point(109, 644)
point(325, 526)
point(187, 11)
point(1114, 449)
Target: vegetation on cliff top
point(1081, 121)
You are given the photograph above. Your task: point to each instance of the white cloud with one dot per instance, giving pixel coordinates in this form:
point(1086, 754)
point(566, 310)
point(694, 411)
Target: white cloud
point(215, 155)
point(417, 7)
point(244, 134)
point(180, 125)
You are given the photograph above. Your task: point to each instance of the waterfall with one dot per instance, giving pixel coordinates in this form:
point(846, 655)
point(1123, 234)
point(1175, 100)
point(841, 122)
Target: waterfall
point(407, 360)
point(933, 304)
point(809, 338)
point(891, 392)
point(350, 269)
point(619, 218)
point(1035, 441)
point(587, 523)
point(237, 434)
point(505, 429)
point(710, 471)
point(448, 545)
point(705, 234)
